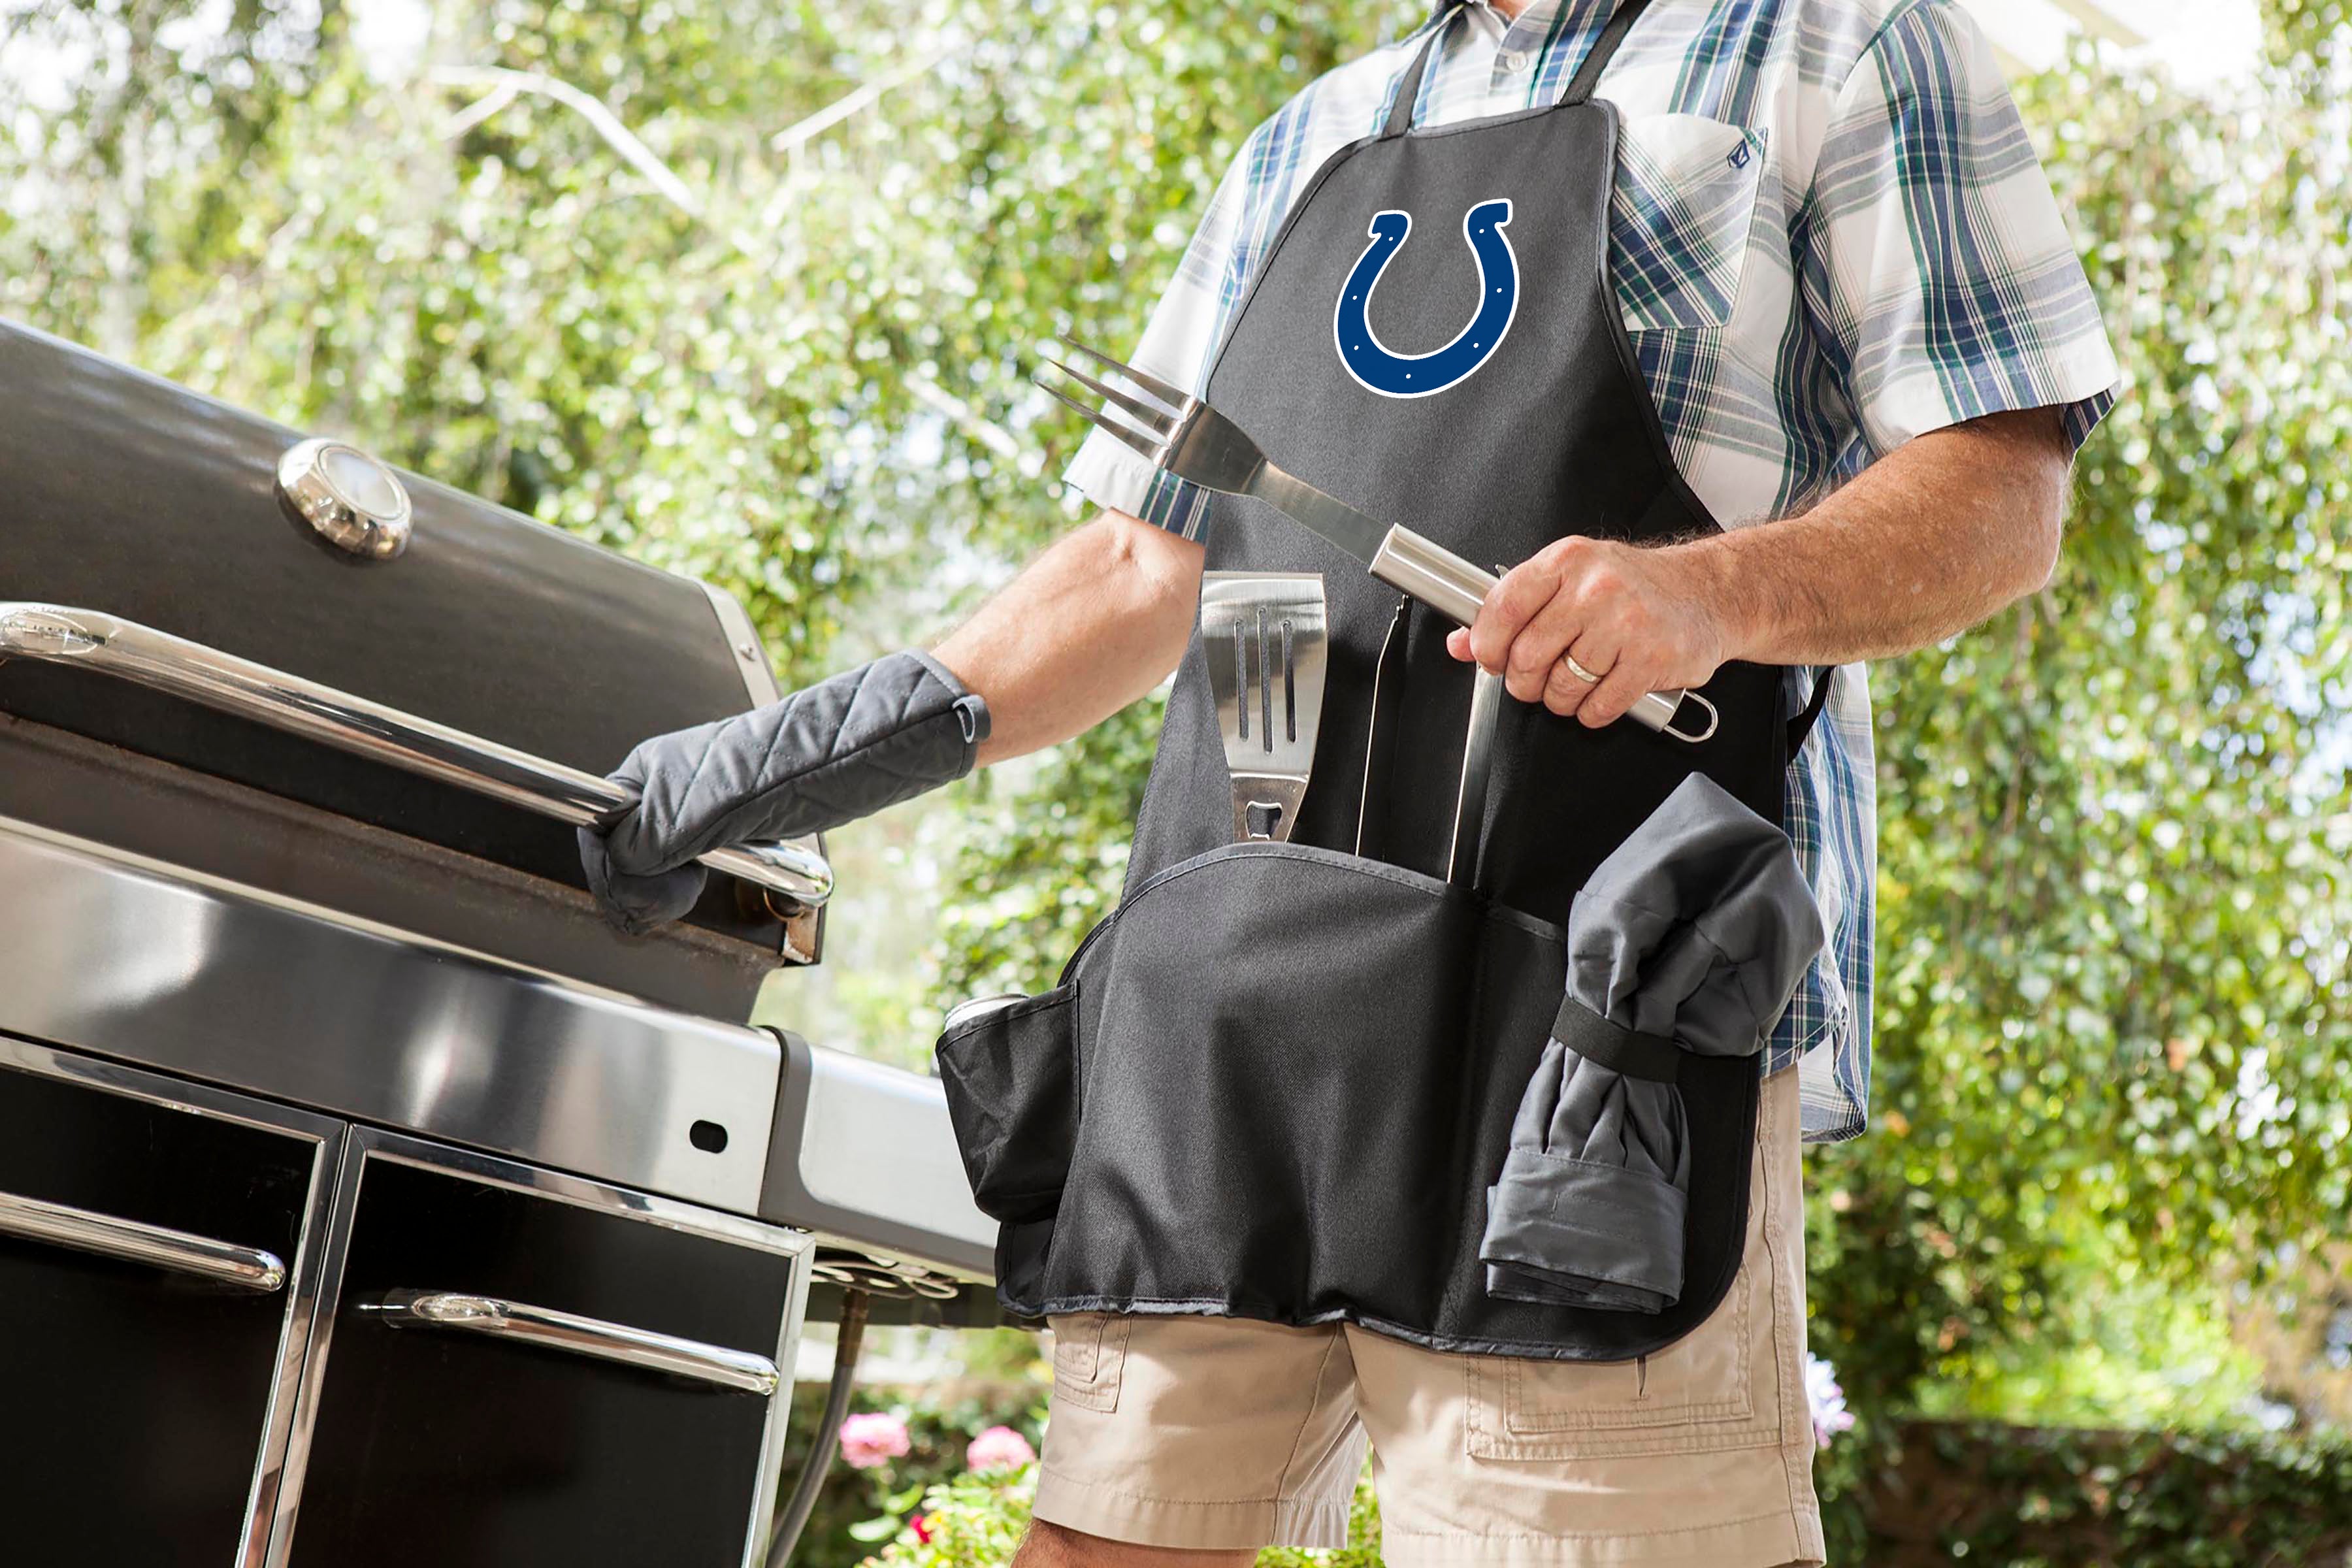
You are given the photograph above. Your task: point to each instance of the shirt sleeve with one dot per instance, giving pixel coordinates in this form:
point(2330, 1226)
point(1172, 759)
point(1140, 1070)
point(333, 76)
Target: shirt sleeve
point(1175, 346)
point(1939, 279)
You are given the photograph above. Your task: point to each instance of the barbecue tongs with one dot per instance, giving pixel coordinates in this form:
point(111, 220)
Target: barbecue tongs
point(1187, 439)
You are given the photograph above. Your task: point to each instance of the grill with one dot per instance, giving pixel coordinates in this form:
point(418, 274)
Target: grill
point(448, 1223)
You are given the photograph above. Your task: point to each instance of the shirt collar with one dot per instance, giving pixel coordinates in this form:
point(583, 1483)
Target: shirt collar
point(1536, 13)
point(1535, 24)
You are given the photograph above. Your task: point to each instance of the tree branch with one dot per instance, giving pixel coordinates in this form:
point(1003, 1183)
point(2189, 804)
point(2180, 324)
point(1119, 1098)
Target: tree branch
point(605, 123)
point(841, 109)
point(480, 109)
point(965, 417)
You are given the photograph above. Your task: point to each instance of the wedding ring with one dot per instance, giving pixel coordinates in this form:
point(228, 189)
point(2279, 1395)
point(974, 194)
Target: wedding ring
point(1578, 670)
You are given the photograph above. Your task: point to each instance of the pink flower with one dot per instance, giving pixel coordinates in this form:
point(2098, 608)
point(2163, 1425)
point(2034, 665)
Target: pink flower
point(873, 1438)
point(999, 1449)
point(1821, 1391)
point(922, 1528)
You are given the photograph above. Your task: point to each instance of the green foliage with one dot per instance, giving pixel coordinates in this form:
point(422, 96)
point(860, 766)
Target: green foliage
point(2308, 31)
point(1045, 863)
point(2006, 1497)
point(965, 1521)
point(976, 1522)
point(2135, 1351)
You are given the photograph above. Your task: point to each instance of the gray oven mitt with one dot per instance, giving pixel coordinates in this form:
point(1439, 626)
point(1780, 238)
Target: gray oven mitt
point(843, 749)
point(1694, 931)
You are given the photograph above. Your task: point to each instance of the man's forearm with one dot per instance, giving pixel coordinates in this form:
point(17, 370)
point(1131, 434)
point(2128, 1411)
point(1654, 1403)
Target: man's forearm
point(1922, 546)
point(1927, 540)
point(1094, 623)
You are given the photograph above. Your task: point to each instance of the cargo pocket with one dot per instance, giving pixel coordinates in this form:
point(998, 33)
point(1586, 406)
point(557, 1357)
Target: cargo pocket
point(1696, 1396)
point(1010, 1081)
point(1679, 217)
point(1090, 1358)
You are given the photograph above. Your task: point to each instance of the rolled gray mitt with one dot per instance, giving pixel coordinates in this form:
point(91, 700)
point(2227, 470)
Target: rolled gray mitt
point(843, 749)
point(1694, 933)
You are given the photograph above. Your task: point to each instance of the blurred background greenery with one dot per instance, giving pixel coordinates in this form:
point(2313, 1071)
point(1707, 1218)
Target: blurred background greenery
point(749, 288)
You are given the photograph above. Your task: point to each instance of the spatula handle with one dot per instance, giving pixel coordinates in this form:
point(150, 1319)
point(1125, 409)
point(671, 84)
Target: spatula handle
point(1416, 564)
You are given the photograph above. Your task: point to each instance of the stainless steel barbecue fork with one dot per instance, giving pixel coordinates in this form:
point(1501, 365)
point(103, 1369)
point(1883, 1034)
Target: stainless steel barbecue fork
point(1184, 436)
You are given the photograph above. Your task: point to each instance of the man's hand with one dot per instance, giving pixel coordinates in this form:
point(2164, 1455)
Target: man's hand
point(1638, 620)
point(1928, 541)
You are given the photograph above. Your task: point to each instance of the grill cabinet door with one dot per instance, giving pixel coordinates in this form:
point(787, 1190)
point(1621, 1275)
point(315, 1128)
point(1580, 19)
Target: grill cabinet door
point(155, 1297)
point(439, 1440)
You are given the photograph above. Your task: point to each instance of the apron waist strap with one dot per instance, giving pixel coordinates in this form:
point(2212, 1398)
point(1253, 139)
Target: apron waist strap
point(1802, 724)
point(1615, 1046)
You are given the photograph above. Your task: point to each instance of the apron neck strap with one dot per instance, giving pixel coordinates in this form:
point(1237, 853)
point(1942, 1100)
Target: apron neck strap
point(1605, 49)
point(1580, 87)
point(1408, 89)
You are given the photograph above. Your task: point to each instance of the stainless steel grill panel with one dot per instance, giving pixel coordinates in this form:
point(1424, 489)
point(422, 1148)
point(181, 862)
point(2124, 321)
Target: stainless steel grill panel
point(137, 960)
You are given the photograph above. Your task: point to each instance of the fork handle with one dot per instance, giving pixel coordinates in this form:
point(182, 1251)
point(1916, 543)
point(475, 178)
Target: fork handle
point(1416, 564)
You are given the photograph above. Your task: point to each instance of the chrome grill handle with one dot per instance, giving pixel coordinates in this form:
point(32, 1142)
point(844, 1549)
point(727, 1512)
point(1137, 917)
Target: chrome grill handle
point(133, 1241)
point(736, 1371)
point(57, 634)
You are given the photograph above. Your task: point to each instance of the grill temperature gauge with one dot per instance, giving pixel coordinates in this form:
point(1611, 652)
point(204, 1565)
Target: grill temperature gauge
point(352, 500)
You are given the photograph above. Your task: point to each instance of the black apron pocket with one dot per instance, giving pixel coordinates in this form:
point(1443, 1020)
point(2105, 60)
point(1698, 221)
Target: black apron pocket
point(1276, 1081)
point(1011, 1080)
point(1294, 1076)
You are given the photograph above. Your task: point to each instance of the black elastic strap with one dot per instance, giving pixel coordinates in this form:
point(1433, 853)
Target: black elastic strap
point(1408, 91)
point(1380, 738)
point(1604, 48)
point(1615, 1046)
point(1477, 773)
point(1802, 724)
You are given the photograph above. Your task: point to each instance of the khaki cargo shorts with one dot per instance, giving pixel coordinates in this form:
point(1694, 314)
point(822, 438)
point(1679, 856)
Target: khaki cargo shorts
point(1228, 1433)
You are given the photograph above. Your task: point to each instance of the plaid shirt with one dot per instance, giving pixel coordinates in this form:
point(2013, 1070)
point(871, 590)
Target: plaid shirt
point(1829, 233)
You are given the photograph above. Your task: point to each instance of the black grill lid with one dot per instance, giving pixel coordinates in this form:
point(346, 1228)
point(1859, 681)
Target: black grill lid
point(127, 495)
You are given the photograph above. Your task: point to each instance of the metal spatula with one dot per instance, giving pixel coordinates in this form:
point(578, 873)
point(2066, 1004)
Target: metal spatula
point(1268, 645)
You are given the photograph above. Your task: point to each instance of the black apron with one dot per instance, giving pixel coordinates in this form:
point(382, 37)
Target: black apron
point(1277, 1082)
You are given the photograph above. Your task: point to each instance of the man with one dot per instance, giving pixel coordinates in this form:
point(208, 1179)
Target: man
point(1872, 354)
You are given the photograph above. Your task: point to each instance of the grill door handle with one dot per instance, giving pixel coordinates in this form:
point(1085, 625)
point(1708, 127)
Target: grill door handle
point(59, 633)
point(132, 1241)
point(737, 1370)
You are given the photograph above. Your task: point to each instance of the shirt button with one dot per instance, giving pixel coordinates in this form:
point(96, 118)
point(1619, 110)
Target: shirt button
point(1517, 60)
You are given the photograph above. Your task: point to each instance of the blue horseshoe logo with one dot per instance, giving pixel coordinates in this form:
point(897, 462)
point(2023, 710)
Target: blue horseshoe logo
point(1368, 360)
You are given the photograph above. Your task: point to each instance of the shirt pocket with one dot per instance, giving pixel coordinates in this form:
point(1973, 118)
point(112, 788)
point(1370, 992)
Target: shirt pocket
point(1680, 214)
